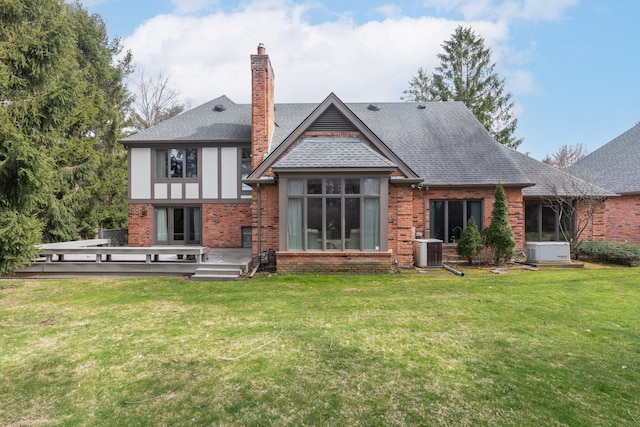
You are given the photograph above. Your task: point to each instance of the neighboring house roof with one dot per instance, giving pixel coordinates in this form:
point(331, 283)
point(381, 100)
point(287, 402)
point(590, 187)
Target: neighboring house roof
point(616, 165)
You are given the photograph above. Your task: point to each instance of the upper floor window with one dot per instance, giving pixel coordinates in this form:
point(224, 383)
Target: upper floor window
point(449, 218)
point(245, 167)
point(177, 163)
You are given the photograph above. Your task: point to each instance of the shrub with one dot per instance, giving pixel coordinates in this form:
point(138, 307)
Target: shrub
point(470, 241)
point(499, 234)
point(613, 252)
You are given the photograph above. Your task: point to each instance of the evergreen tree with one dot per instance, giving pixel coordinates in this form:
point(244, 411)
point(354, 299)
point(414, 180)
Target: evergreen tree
point(470, 241)
point(467, 74)
point(499, 234)
point(61, 106)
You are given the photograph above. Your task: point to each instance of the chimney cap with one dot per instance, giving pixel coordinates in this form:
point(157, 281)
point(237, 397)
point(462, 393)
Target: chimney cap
point(261, 49)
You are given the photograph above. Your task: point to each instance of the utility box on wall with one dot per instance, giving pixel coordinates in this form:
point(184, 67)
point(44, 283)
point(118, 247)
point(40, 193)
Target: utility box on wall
point(427, 253)
point(548, 252)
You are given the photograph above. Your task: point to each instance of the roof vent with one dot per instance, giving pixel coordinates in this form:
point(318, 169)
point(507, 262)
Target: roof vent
point(421, 106)
point(373, 107)
point(219, 108)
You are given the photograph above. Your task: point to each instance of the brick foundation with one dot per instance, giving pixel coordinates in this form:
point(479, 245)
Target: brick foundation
point(295, 262)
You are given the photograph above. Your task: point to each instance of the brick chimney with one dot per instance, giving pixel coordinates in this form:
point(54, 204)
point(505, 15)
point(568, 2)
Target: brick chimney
point(262, 110)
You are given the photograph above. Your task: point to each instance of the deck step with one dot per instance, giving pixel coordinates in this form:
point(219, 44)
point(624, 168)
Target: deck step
point(216, 274)
point(212, 277)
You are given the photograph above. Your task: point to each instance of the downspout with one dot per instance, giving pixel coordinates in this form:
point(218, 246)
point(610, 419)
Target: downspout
point(424, 214)
point(259, 221)
point(396, 260)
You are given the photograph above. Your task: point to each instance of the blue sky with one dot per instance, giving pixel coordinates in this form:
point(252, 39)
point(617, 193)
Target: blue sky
point(571, 65)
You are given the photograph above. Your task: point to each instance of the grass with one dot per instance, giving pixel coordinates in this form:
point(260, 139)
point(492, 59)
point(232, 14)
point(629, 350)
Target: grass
point(557, 348)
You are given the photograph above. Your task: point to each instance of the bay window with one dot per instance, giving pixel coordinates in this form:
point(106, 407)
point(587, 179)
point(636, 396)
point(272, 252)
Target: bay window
point(333, 213)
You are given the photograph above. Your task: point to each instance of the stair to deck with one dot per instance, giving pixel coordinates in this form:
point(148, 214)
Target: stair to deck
point(217, 273)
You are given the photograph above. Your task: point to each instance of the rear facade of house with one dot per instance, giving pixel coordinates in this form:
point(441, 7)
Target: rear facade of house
point(328, 186)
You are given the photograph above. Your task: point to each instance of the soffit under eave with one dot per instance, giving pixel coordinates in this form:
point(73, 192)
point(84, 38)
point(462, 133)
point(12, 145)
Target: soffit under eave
point(168, 142)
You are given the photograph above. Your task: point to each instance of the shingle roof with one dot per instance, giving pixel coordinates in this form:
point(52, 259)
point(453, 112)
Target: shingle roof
point(442, 142)
point(616, 165)
point(319, 153)
point(203, 123)
point(551, 181)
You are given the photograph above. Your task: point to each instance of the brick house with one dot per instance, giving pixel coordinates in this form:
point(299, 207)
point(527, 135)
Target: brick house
point(614, 166)
point(332, 186)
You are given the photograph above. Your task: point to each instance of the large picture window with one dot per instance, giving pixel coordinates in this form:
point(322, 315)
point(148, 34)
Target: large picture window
point(449, 218)
point(333, 214)
point(544, 222)
point(177, 163)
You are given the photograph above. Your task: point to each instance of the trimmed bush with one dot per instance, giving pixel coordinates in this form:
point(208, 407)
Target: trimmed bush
point(499, 234)
point(612, 252)
point(470, 241)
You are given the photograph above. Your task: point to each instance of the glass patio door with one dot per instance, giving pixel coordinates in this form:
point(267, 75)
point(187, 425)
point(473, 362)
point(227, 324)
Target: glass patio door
point(177, 225)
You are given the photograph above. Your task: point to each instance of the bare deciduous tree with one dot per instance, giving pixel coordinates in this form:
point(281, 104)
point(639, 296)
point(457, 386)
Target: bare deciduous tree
point(155, 100)
point(566, 156)
point(575, 201)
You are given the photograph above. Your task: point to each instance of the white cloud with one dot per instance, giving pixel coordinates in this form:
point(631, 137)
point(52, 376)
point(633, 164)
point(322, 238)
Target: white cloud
point(192, 6)
point(504, 10)
point(390, 11)
point(521, 82)
point(208, 56)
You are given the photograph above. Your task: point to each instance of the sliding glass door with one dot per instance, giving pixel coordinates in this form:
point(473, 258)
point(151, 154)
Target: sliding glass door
point(178, 225)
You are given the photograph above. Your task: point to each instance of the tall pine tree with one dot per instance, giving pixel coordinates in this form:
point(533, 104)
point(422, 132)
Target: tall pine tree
point(467, 74)
point(61, 106)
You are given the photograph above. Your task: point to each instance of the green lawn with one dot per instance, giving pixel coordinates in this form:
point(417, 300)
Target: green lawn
point(553, 348)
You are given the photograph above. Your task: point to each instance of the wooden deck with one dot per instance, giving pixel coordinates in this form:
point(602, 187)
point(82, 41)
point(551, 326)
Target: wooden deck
point(91, 259)
point(111, 253)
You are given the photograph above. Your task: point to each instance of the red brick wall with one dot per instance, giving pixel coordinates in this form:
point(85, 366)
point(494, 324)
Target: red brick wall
point(514, 202)
point(140, 224)
point(401, 223)
point(622, 219)
point(270, 217)
point(332, 262)
point(222, 224)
